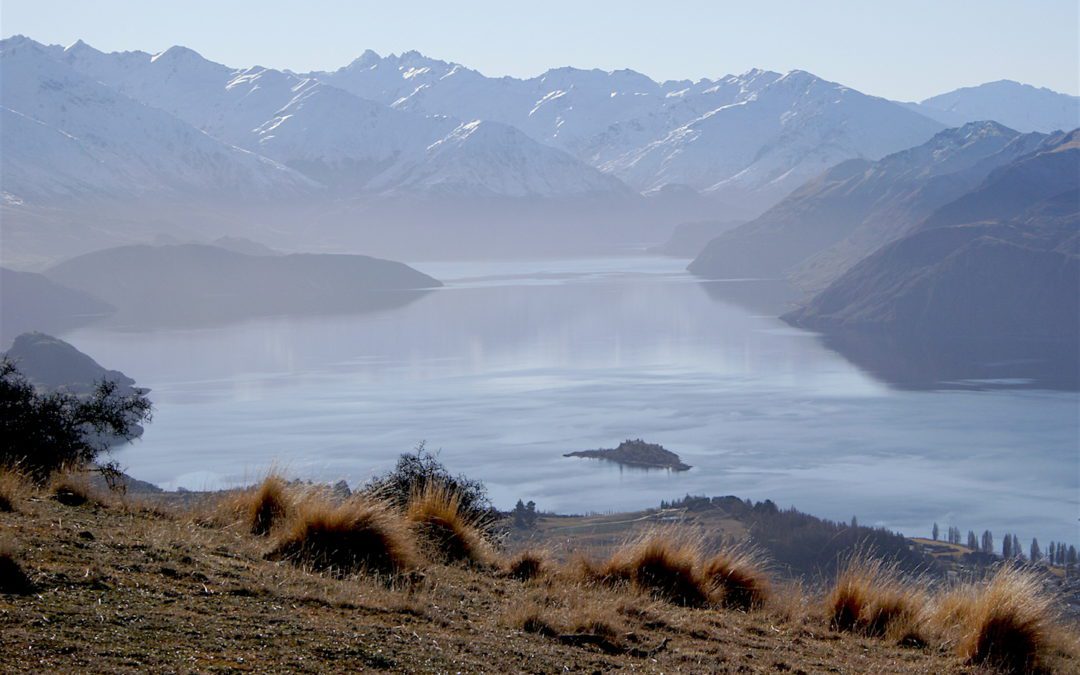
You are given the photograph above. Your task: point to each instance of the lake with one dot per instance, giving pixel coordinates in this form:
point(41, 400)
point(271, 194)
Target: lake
point(513, 364)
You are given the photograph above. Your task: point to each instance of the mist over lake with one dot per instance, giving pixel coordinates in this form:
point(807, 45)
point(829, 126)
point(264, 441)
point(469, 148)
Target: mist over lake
point(514, 363)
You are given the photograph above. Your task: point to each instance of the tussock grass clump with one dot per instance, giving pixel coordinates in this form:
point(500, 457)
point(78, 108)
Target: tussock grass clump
point(358, 535)
point(871, 598)
point(72, 488)
point(739, 575)
point(13, 488)
point(526, 565)
point(13, 580)
point(532, 618)
point(789, 603)
point(263, 506)
point(663, 564)
point(1008, 624)
point(450, 534)
point(571, 617)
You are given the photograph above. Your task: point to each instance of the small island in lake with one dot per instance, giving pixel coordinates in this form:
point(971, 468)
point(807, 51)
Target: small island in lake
point(636, 453)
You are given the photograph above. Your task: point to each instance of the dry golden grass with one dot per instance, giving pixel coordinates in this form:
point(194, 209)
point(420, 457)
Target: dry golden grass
point(450, 536)
point(739, 575)
point(260, 508)
point(71, 487)
point(527, 565)
point(1007, 624)
point(532, 616)
point(790, 603)
point(358, 535)
point(14, 487)
point(565, 612)
point(132, 590)
point(871, 598)
point(662, 563)
point(13, 580)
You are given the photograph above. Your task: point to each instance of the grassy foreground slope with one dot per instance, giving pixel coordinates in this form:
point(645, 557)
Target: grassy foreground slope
point(118, 586)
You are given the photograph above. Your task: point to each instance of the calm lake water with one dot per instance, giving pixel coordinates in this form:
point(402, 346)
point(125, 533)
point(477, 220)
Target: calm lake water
point(515, 363)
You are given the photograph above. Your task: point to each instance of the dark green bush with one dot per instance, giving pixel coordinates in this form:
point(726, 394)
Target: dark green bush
point(41, 433)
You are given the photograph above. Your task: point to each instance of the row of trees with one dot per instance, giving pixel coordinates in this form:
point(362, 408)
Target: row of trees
point(1056, 554)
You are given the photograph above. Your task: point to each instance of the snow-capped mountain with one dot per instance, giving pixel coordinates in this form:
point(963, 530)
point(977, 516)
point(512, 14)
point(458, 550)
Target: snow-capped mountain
point(592, 114)
point(65, 135)
point(1018, 106)
point(333, 136)
point(774, 139)
point(397, 138)
point(491, 159)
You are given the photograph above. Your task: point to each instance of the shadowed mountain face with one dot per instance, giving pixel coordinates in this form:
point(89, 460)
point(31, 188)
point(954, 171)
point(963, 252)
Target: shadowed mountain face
point(30, 301)
point(1001, 262)
point(195, 284)
point(838, 218)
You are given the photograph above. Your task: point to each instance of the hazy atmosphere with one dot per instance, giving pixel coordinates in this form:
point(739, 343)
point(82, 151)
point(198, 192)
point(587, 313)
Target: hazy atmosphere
point(580, 336)
point(902, 50)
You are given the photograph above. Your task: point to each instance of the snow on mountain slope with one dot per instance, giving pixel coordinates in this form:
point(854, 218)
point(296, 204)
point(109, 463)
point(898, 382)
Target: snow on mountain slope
point(744, 139)
point(342, 140)
point(334, 136)
point(66, 135)
point(483, 158)
point(226, 103)
point(766, 145)
point(1018, 106)
point(570, 108)
point(682, 103)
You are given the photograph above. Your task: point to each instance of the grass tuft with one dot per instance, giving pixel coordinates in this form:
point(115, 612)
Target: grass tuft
point(72, 488)
point(451, 535)
point(1008, 623)
point(661, 563)
point(13, 580)
point(358, 535)
point(871, 598)
point(739, 575)
point(263, 507)
point(526, 565)
point(13, 488)
point(532, 618)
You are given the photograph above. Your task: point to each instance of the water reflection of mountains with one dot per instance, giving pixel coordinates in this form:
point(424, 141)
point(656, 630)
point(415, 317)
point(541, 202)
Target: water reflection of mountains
point(962, 364)
point(924, 365)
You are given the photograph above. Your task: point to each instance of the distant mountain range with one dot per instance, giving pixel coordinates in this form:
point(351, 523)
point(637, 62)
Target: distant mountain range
point(834, 220)
point(419, 156)
point(1001, 261)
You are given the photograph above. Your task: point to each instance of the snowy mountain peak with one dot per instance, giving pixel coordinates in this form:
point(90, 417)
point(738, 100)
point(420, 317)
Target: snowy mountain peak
point(1018, 106)
point(80, 47)
point(365, 60)
point(803, 79)
point(177, 55)
point(21, 45)
point(18, 41)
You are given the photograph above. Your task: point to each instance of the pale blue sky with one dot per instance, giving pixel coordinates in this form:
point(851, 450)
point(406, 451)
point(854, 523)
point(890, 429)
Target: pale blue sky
point(903, 49)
